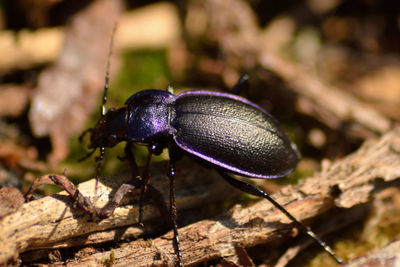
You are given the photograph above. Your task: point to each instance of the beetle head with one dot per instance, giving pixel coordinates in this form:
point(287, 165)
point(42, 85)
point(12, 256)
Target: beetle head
point(109, 130)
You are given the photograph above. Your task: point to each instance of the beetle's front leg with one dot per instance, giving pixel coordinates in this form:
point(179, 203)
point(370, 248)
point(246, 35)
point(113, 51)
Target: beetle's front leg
point(84, 202)
point(136, 182)
point(63, 182)
point(80, 200)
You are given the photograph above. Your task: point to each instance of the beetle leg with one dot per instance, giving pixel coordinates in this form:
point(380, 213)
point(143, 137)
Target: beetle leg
point(112, 204)
point(144, 185)
point(242, 84)
point(84, 202)
point(63, 182)
point(248, 188)
point(155, 195)
point(131, 159)
point(135, 183)
point(172, 205)
point(99, 165)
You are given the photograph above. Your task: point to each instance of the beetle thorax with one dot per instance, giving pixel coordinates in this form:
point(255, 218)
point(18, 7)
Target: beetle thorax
point(149, 116)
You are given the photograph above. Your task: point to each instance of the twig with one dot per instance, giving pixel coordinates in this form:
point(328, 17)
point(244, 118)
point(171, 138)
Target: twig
point(25, 49)
point(54, 222)
point(332, 106)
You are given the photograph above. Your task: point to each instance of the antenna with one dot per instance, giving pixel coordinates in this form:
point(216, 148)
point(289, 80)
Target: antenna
point(103, 111)
point(107, 78)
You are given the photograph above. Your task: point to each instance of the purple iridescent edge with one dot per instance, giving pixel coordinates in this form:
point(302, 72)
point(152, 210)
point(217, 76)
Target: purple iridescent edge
point(221, 164)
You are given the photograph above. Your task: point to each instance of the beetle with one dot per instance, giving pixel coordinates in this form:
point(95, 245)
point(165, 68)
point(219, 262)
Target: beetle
point(226, 131)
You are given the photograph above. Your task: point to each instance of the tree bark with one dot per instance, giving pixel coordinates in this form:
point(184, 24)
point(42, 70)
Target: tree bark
point(346, 183)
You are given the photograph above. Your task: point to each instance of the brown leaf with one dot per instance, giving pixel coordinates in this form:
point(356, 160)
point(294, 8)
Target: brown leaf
point(68, 91)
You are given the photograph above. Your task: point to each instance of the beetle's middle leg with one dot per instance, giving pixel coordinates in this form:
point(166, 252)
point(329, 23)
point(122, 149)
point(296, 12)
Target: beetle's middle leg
point(143, 184)
point(172, 205)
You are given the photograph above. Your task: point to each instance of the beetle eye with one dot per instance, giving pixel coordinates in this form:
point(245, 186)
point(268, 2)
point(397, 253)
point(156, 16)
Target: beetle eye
point(112, 138)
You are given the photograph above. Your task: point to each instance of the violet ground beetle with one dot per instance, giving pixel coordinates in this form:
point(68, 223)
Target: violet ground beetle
point(226, 131)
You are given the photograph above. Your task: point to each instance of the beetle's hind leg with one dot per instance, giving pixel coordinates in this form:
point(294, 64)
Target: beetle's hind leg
point(248, 188)
point(241, 85)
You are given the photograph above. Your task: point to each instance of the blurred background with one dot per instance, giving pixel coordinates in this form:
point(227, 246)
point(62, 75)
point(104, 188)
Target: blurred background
point(327, 70)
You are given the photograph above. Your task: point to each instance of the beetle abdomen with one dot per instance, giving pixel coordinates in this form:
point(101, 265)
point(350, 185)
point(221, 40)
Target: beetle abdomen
point(232, 133)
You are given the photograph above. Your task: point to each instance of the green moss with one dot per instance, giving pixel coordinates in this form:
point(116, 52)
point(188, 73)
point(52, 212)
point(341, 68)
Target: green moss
point(140, 70)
